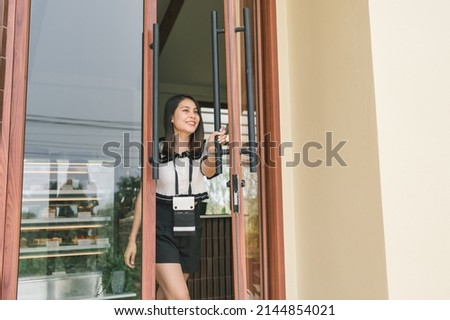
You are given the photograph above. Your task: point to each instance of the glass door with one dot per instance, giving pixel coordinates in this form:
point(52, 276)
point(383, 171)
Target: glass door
point(240, 17)
point(82, 157)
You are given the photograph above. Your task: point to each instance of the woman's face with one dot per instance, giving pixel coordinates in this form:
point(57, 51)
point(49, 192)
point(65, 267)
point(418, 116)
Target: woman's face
point(186, 118)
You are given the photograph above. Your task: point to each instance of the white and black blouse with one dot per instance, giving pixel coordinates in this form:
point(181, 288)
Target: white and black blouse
point(165, 185)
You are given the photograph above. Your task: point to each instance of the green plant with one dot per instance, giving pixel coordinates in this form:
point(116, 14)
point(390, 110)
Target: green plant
point(110, 263)
point(115, 262)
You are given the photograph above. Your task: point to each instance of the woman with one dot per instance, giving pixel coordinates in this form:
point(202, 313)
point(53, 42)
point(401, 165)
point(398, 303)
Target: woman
point(185, 161)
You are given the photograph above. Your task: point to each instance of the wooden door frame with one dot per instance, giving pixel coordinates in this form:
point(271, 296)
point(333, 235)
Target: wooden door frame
point(13, 134)
point(267, 94)
point(13, 140)
point(148, 184)
point(270, 133)
point(234, 111)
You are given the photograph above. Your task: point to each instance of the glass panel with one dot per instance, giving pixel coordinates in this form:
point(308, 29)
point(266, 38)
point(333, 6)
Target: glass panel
point(219, 192)
point(82, 149)
point(250, 201)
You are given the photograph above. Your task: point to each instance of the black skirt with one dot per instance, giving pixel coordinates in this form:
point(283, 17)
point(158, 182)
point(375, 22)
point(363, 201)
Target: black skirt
point(184, 250)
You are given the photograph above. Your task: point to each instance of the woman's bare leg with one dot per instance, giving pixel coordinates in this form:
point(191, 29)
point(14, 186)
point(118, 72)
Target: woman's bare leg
point(160, 294)
point(171, 281)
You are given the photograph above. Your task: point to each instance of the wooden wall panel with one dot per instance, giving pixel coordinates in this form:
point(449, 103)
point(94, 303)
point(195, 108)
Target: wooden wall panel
point(214, 279)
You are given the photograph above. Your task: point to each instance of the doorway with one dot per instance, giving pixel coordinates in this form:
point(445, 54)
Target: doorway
point(186, 66)
point(263, 279)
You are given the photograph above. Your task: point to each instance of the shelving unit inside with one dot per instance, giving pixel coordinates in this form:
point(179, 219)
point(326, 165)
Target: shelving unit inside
point(68, 242)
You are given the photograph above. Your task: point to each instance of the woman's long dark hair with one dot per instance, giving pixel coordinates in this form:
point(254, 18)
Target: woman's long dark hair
point(196, 139)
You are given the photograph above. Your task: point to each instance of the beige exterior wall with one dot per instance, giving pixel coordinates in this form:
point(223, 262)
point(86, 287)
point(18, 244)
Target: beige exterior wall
point(411, 53)
point(377, 228)
point(334, 226)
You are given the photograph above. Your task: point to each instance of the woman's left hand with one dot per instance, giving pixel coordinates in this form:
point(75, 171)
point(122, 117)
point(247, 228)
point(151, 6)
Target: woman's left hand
point(221, 136)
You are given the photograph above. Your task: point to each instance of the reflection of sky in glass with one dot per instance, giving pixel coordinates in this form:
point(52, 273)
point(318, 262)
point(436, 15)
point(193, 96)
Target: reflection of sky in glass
point(84, 85)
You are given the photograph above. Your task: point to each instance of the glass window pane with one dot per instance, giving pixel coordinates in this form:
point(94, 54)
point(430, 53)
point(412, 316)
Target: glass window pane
point(219, 192)
point(82, 148)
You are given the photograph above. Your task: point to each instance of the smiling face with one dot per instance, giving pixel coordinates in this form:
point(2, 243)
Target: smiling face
point(182, 124)
point(186, 118)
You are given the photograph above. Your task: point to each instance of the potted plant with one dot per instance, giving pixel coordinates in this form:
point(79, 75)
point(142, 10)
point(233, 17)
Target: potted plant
point(116, 273)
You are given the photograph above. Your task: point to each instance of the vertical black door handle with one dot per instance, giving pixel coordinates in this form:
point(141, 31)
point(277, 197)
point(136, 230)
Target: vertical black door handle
point(216, 87)
point(250, 94)
point(155, 134)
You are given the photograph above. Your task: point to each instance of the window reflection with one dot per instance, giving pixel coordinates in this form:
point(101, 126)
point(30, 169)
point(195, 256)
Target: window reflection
point(84, 90)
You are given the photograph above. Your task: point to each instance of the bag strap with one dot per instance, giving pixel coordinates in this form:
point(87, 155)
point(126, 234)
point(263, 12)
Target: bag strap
point(177, 191)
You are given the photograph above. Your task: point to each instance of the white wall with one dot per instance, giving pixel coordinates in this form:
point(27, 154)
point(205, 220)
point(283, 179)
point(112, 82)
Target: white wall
point(289, 218)
point(411, 57)
point(334, 229)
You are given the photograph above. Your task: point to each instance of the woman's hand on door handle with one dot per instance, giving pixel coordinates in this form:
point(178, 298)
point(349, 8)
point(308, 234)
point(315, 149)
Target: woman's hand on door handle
point(210, 164)
point(219, 136)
